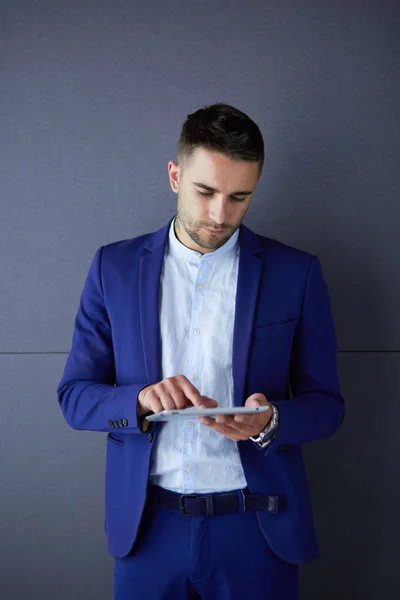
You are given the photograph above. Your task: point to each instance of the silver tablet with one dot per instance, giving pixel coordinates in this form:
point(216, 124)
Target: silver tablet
point(193, 412)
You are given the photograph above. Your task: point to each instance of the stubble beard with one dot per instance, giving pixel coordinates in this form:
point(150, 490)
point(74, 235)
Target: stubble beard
point(195, 236)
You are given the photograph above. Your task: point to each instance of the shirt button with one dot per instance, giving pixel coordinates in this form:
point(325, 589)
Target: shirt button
point(197, 331)
point(201, 285)
point(191, 424)
point(188, 469)
point(194, 377)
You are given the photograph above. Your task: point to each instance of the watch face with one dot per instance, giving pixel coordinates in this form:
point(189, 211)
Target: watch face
point(269, 435)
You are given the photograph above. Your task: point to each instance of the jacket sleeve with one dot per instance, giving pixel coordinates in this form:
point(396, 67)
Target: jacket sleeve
point(87, 393)
point(317, 407)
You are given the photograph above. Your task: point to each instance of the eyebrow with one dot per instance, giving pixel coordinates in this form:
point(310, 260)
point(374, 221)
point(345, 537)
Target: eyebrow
point(211, 189)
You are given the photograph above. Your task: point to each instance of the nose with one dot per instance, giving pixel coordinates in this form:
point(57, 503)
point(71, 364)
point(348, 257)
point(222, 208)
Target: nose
point(218, 211)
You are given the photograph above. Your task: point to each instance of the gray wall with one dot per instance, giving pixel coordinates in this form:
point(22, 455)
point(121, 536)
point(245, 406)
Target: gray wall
point(93, 96)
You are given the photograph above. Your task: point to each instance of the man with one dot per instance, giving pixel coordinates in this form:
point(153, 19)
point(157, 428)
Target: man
point(204, 312)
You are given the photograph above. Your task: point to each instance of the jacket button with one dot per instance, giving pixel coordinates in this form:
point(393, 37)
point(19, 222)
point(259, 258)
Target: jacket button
point(151, 435)
point(120, 423)
point(111, 424)
point(115, 423)
point(125, 422)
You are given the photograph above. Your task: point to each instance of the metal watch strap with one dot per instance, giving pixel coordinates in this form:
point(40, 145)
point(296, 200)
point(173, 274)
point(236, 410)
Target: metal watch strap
point(268, 433)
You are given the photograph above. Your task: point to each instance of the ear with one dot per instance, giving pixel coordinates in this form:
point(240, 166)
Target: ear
point(174, 175)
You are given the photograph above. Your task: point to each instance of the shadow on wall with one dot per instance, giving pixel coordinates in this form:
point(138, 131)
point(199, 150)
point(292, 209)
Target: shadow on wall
point(348, 483)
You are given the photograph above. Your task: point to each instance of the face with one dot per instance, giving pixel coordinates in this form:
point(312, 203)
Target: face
point(214, 193)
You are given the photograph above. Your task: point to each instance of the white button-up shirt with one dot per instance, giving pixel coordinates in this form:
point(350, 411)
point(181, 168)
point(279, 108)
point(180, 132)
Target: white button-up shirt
point(197, 309)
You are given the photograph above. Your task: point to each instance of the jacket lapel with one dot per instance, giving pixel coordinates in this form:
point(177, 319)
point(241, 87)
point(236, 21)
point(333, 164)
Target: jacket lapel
point(248, 283)
point(150, 271)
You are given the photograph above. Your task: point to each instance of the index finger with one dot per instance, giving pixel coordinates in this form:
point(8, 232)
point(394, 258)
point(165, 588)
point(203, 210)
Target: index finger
point(195, 397)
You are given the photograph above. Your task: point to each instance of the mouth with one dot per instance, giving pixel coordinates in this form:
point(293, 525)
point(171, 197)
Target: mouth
point(214, 231)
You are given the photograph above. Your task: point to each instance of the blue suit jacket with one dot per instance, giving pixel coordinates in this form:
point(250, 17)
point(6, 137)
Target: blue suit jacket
point(284, 347)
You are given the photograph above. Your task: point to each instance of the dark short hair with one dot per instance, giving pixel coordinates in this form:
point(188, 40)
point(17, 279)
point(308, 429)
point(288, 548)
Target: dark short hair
point(221, 128)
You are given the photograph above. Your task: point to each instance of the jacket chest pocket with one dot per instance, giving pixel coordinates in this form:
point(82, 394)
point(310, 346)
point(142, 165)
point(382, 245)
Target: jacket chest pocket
point(273, 332)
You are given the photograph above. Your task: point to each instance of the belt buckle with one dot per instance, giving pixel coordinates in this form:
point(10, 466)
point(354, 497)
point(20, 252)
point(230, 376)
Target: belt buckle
point(182, 503)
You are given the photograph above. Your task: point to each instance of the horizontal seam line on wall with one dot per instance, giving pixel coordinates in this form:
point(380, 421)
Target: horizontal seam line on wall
point(339, 352)
point(11, 353)
point(368, 351)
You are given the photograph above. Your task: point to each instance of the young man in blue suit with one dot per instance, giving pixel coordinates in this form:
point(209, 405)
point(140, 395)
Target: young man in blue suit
point(206, 312)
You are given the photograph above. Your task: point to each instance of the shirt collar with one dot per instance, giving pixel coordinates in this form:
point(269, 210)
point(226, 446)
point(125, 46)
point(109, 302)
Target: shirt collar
point(176, 247)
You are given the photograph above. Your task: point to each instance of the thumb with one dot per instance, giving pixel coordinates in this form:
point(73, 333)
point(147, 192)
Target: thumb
point(256, 400)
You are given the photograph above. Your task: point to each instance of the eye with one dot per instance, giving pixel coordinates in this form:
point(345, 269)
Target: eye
point(234, 198)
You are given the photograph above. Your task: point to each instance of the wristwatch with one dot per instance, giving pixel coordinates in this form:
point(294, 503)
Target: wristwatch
point(269, 432)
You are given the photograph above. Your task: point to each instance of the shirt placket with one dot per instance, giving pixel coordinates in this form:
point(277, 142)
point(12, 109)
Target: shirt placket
point(195, 349)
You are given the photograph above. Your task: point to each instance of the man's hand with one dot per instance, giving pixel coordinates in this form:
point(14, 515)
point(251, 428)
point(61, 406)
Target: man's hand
point(171, 393)
point(241, 427)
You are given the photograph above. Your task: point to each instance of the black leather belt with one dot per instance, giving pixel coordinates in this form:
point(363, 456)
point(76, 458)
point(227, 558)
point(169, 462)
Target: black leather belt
point(197, 505)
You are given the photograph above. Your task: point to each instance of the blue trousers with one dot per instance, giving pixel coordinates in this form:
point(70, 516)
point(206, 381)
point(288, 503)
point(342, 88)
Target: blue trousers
point(220, 557)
